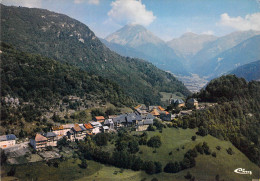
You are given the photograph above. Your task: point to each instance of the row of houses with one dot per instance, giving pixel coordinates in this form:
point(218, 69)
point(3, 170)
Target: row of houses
point(79, 131)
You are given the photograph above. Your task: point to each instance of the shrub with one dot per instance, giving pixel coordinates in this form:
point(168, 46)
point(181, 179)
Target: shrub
point(154, 142)
point(158, 167)
point(214, 154)
point(83, 164)
point(188, 175)
point(218, 147)
point(149, 167)
point(193, 138)
point(230, 151)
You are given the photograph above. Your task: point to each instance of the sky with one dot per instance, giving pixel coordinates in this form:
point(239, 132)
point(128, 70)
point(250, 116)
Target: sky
point(167, 19)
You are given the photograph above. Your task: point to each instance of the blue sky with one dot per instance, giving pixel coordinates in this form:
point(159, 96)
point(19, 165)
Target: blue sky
point(166, 18)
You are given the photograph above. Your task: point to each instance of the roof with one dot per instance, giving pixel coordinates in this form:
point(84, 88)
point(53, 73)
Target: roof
point(177, 101)
point(108, 121)
point(40, 137)
point(149, 116)
point(160, 108)
point(88, 126)
point(105, 127)
point(82, 128)
point(49, 134)
point(94, 124)
point(112, 116)
point(7, 137)
point(148, 121)
point(137, 107)
point(55, 128)
point(133, 117)
point(77, 128)
point(192, 100)
point(99, 117)
point(155, 112)
point(120, 119)
point(68, 126)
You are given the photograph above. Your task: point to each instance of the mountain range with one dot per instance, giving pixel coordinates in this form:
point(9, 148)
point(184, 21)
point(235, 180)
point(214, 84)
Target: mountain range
point(148, 46)
point(67, 40)
point(206, 55)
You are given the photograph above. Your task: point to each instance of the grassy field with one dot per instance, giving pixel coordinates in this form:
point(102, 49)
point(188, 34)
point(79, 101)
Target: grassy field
point(207, 167)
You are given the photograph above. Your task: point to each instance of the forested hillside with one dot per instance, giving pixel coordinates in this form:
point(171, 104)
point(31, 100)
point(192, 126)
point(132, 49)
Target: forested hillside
point(236, 117)
point(67, 40)
point(41, 83)
point(250, 71)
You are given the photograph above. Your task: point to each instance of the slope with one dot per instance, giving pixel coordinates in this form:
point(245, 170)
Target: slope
point(243, 53)
point(250, 71)
point(145, 42)
point(213, 49)
point(65, 39)
point(190, 43)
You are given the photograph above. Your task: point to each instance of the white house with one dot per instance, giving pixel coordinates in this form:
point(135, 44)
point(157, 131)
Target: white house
point(7, 141)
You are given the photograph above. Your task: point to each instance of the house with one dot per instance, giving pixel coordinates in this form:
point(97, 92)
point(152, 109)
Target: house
point(51, 138)
point(155, 113)
point(145, 122)
point(192, 103)
point(96, 127)
point(7, 140)
point(105, 129)
point(109, 123)
point(89, 128)
point(100, 119)
point(177, 102)
point(76, 133)
point(39, 141)
point(120, 121)
point(133, 119)
point(61, 130)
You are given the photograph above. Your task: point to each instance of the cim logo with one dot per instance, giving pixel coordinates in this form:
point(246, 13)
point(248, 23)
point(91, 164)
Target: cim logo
point(242, 171)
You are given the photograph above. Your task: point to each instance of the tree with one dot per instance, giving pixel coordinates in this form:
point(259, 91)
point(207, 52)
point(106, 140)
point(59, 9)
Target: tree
point(137, 164)
point(158, 167)
point(188, 175)
point(202, 131)
point(172, 167)
point(133, 146)
point(149, 167)
point(101, 139)
point(83, 164)
point(193, 138)
point(154, 142)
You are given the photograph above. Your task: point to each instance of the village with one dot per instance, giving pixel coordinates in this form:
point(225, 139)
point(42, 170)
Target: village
point(139, 120)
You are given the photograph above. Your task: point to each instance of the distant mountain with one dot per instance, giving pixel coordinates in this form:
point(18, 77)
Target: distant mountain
point(124, 50)
point(245, 52)
point(220, 45)
point(67, 40)
point(250, 71)
point(190, 43)
point(151, 47)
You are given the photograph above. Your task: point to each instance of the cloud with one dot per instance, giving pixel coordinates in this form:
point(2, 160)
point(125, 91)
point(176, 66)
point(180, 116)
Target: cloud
point(24, 3)
point(209, 32)
point(249, 22)
point(95, 2)
point(130, 12)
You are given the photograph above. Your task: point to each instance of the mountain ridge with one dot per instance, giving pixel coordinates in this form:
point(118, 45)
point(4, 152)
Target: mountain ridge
point(65, 39)
point(151, 46)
